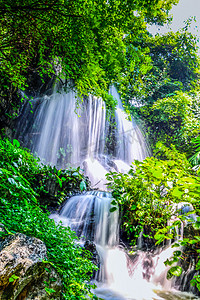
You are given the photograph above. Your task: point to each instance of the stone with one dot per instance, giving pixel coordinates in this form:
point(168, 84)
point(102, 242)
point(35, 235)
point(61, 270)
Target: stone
point(24, 274)
point(91, 247)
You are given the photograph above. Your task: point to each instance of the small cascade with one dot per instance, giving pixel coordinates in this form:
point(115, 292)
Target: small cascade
point(121, 277)
point(89, 216)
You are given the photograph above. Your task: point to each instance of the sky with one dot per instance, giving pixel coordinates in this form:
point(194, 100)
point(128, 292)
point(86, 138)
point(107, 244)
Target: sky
point(181, 12)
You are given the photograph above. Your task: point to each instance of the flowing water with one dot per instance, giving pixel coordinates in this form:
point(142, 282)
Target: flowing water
point(121, 277)
point(64, 134)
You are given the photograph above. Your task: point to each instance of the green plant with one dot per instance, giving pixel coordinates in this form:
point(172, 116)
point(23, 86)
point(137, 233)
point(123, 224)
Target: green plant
point(195, 158)
point(174, 120)
point(20, 212)
point(41, 177)
point(147, 194)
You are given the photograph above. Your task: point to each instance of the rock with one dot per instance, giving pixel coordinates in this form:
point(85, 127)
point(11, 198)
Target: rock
point(23, 274)
point(91, 247)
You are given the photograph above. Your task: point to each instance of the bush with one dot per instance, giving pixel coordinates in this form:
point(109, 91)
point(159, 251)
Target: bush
point(20, 212)
point(148, 192)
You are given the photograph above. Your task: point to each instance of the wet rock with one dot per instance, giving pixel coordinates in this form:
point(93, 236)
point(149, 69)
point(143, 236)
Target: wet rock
point(23, 274)
point(90, 246)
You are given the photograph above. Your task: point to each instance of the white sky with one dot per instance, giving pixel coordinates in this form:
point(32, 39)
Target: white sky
point(181, 12)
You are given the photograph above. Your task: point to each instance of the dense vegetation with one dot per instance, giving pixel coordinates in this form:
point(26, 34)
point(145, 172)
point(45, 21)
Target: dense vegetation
point(86, 41)
point(20, 212)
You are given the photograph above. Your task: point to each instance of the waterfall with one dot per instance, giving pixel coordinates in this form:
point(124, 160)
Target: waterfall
point(142, 275)
point(130, 143)
point(89, 215)
point(64, 134)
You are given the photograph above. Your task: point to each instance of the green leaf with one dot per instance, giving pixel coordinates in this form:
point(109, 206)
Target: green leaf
point(177, 253)
point(133, 207)
point(177, 193)
point(13, 278)
point(176, 271)
point(175, 245)
point(196, 225)
point(112, 209)
point(158, 174)
point(59, 181)
point(16, 143)
point(49, 290)
point(114, 202)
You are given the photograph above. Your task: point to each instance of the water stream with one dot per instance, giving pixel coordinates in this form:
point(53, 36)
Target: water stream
point(62, 135)
point(139, 276)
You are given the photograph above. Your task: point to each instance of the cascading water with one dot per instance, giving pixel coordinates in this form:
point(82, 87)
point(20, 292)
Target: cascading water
point(61, 136)
point(140, 277)
point(130, 143)
point(89, 216)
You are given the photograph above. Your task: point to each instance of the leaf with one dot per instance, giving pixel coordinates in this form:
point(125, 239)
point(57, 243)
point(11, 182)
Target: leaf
point(177, 223)
point(169, 275)
point(16, 143)
point(177, 253)
point(48, 270)
point(158, 174)
point(196, 225)
point(176, 271)
point(49, 290)
point(113, 209)
point(59, 181)
point(177, 193)
point(13, 278)
point(133, 207)
point(114, 202)
point(83, 185)
point(59, 172)
point(175, 245)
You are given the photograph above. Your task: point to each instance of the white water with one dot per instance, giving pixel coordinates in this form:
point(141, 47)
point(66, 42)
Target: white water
point(142, 276)
point(130, 143)
point(61, 137)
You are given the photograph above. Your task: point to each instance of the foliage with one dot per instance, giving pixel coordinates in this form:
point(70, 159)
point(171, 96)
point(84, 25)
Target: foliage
point(195, 158)
point(169, 63)
point(149, 192)
point(175, 64)
point(20, 212)
point(152, 197)
point(188, 246)
point(174, 119)
point(41, 177)
point(85, 41)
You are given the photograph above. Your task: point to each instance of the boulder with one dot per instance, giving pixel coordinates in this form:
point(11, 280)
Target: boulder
point(24, 274)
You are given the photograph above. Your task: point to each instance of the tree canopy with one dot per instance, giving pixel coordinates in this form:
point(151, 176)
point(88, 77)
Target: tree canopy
point(86, 39)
